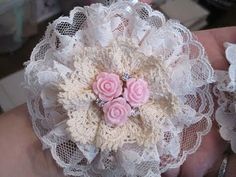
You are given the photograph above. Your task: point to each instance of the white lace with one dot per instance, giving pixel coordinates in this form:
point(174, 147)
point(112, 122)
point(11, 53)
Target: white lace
point(225, 90)
point(52, 62)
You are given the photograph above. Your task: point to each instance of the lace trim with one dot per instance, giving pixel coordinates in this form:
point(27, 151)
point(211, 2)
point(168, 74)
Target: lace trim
point(225, 90)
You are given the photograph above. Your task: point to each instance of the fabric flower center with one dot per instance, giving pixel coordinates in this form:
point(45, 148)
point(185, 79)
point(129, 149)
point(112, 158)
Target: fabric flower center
point(119, 102)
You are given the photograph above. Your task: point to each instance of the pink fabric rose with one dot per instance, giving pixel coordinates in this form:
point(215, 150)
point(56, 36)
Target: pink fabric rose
point(137, 92)
point(117, 111)
point(107, 86)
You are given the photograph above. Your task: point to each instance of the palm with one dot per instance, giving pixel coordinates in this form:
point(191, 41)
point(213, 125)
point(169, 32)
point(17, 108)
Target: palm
point(21, 153)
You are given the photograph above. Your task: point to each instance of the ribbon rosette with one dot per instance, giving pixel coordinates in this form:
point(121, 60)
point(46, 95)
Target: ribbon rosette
point(119, 91)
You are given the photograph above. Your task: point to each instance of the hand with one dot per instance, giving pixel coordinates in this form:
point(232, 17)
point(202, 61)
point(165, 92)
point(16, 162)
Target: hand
point(22, 154)
point(208, 158)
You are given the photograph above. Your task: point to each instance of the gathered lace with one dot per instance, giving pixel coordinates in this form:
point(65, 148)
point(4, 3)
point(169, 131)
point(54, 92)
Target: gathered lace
point(119, 38)
point(225, 91)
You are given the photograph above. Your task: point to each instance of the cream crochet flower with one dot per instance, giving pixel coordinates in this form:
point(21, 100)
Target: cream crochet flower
point(86, 122)
point(119, 91)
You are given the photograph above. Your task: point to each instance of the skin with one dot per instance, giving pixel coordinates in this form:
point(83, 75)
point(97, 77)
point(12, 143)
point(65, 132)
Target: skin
point(22, 154)
point(208, 158)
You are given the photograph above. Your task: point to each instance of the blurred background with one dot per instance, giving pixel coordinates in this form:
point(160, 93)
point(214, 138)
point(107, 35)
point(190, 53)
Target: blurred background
point(23, 23)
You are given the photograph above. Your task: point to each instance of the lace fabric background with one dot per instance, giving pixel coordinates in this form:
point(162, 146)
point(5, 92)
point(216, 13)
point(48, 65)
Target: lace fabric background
point(225, 90)
point(51, 63)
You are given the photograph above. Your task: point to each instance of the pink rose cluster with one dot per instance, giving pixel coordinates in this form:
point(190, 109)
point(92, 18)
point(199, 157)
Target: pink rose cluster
point(119, 100)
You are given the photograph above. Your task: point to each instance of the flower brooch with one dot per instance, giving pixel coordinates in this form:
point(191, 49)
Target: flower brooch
point(119, 100)
point(119, 91)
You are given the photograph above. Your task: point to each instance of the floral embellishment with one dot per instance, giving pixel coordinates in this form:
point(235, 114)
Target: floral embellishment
point(137, 92)
point(117, 111)
point(103, 93)
point(122, 97)
point(107, 99)
point(107, 86)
